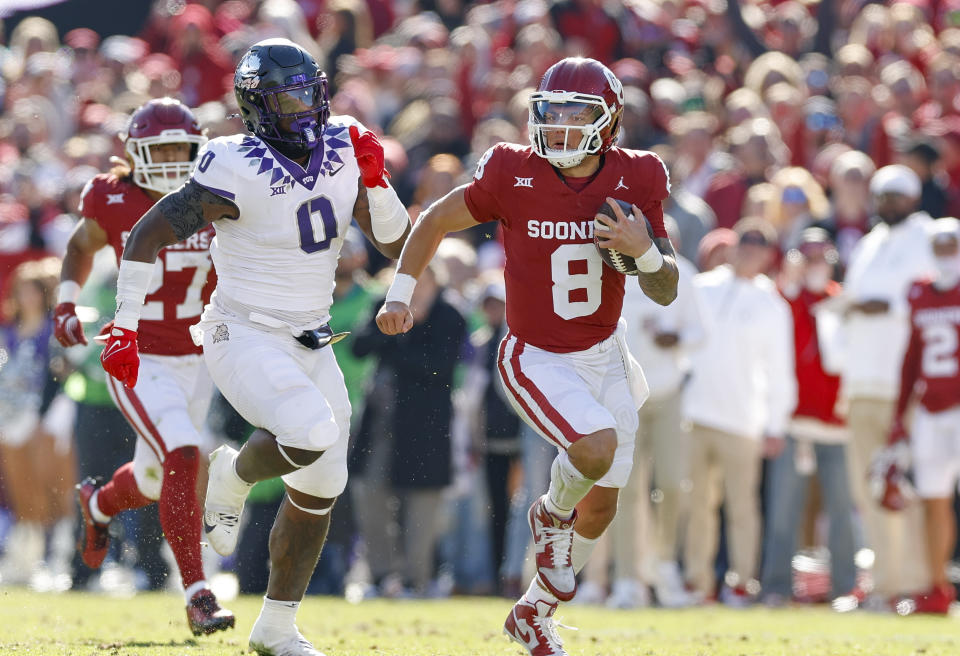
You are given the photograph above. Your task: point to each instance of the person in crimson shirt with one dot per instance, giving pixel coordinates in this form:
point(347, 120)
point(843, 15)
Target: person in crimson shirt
point(816, 438)
point(564, 362)
point(931, 377)
point(168, 406)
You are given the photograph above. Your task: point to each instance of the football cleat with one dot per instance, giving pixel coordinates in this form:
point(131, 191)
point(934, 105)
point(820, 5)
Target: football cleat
point(935, 601)
point(533, 627)
point(204, 614)
point(269, 643)
point(628, 593)
point(224, 504)
point(95, 541)
point(553, 541)
point(671, 593)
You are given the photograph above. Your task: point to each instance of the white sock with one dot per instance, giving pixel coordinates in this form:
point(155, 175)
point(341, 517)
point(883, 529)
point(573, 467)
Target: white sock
point(535, 593)
point(236, 484)
point(581, 550)
point(95, 512)
point(567, 487)
point(193, 589)
point(278, 614)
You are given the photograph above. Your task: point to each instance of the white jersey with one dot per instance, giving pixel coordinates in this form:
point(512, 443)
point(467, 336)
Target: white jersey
point(281, 253)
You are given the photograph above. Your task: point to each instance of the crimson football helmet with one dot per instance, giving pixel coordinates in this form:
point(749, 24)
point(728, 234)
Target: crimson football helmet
point(156, 122)
point(575, 111)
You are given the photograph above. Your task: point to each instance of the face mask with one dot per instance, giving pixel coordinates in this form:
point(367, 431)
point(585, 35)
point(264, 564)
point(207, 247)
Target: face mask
point(948, 271)
point(816, 278)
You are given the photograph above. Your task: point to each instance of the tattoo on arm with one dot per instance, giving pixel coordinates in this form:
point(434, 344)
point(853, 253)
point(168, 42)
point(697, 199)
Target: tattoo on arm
point(191, 207)
point(661, 285)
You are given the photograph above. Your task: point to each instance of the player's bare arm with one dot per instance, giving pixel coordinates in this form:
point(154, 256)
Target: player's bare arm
point(631, 238)
point(361, 212)
point(87, 238)
point(449, 214)
point(175, 217)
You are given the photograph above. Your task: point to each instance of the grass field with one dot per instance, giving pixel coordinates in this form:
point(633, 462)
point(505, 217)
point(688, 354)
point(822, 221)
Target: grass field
point(77, 624)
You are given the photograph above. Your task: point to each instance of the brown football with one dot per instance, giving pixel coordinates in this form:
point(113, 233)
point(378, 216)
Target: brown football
point(615, 259)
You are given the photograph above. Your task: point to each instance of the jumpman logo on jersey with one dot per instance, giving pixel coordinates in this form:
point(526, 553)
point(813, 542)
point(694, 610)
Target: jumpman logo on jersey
point(114, 199)
point(620, 185)
point(523, 182)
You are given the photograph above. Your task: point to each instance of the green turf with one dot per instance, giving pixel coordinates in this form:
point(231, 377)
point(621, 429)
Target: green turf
point(153, 624)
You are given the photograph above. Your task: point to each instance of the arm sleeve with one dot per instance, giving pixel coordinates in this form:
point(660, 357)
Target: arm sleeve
point(215, 171)
point(481, 194)
point(781, 374)
point(909, 372)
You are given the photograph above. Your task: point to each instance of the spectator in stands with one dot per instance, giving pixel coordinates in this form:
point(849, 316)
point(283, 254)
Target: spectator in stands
point(36, 458)
point(849, 183)
point(816, 439)
point(739, 401)
point(402, 449)
point(661, 337)
point(882, 267)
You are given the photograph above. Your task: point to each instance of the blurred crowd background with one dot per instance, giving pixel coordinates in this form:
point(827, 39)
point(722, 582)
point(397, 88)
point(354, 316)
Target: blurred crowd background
point(773, 118)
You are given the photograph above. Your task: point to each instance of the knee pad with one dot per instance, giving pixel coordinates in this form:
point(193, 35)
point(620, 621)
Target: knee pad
point(303, 423)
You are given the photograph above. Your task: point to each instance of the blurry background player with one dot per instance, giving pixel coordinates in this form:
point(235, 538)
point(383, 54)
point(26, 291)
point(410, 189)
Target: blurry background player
point(564, 363)
point(168, 407)
point(931, 375)
point(282, 198)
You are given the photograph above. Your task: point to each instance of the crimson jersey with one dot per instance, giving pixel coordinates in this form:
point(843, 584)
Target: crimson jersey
point(560, 295)
point(932, 360)
point(183, 279)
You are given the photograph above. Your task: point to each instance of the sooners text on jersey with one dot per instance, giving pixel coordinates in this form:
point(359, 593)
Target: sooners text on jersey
point(182, 280)
point(560, 296)
point(934, 349)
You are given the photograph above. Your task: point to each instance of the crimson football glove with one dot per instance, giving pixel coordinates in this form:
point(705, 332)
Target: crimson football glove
point(66, 325)
point(119, 358)
point(369, 155)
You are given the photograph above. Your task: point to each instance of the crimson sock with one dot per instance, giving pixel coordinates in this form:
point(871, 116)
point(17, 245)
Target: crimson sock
point(121, 493)
point(180, 511)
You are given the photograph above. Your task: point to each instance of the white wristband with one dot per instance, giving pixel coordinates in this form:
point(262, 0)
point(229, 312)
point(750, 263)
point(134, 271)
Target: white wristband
point(388, 216)
point(132, 285)
point(69, 292)
point(402, 289)
point(650, 261)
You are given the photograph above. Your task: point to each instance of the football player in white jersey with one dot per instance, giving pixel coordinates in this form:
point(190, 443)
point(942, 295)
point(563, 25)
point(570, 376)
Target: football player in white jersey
point(281, 200)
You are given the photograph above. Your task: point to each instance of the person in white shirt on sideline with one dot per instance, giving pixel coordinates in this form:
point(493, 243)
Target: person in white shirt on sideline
point(883, 265)
point(662, 337)
point(739, 400)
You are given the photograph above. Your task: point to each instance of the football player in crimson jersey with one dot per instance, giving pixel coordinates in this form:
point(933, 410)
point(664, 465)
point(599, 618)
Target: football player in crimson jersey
point(281, 197)
point(166, 408)
point(931, 375)
point(564, 362)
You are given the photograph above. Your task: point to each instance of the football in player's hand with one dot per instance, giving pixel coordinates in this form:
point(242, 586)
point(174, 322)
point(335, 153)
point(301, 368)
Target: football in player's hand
point(614, 258)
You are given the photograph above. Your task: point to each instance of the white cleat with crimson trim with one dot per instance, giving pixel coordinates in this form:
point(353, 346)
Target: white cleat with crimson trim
point(532, 626)
point(553, 544)
point(224, 503)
